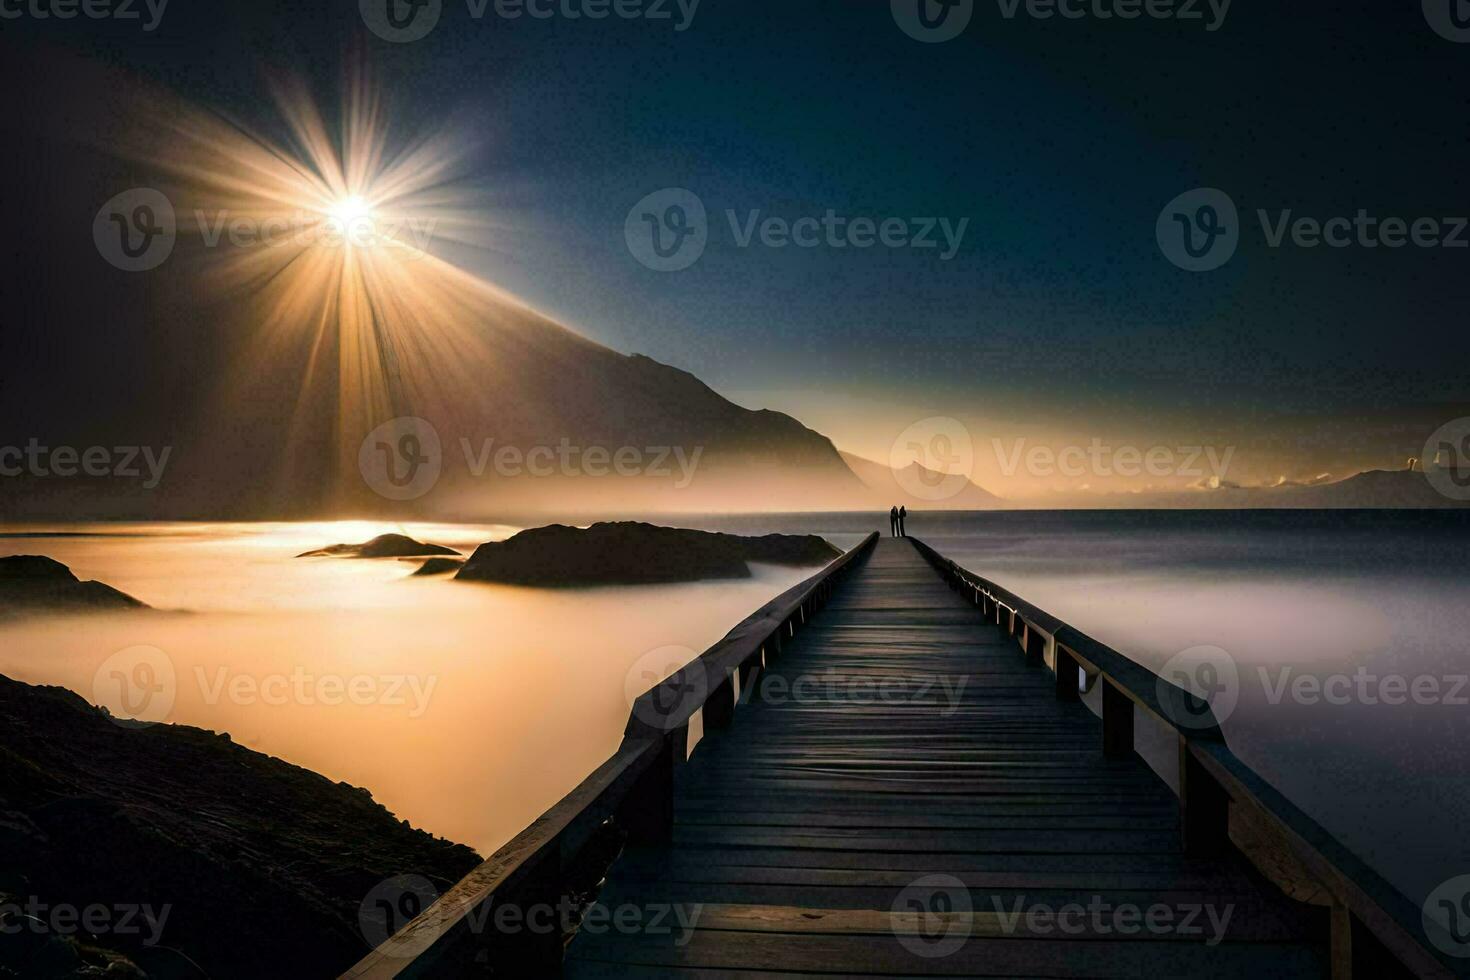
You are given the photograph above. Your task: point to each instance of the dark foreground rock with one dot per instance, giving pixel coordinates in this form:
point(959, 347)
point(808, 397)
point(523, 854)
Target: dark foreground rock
point(630, 553)
point(35, 583)
point(244, 864)
point(383, 546)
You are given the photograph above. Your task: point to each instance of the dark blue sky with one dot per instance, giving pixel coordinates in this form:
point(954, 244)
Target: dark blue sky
point(1060, 142)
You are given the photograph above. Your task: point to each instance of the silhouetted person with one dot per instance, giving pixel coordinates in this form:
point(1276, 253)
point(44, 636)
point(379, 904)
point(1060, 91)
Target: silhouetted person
point(893, 522)
point(903, 514)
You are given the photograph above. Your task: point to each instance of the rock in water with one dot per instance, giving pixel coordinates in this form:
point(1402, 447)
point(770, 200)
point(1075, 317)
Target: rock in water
point(629, 553)
point(383, 546)
point(35, 583)
point(439, 566)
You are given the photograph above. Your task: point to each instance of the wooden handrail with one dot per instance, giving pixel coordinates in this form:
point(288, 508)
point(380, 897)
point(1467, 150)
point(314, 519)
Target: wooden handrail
point(1367, 909)
point(669, 706)
point(634, 788)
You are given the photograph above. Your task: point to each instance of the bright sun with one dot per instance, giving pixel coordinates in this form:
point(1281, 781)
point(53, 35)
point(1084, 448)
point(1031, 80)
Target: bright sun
point(349, 209)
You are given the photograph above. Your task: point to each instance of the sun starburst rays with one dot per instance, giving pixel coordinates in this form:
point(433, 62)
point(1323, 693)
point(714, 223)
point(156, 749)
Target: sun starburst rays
point(320, 242)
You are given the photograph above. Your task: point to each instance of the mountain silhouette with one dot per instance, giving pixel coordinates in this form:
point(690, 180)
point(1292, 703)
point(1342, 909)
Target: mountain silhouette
point(890, 486)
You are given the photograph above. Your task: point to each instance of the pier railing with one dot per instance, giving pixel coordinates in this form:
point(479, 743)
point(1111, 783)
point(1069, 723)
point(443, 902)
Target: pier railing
point(1375, 930)
point(464, 933)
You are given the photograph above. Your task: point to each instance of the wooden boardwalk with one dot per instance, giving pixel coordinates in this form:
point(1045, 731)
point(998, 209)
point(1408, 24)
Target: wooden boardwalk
point(907, 796)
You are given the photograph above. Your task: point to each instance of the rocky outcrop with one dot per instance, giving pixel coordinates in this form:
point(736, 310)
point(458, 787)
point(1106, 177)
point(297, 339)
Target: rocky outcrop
point(629, 553)
point(241, 863)
point(383, 546)
point(440, 566)
point(35, 583)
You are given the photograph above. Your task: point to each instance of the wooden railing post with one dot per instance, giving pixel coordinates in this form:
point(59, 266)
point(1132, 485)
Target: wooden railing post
point(719, 707)
point(1035, 645)
point(1117, 719)
point(1066, 669)
point(647, 812)
point(750, 678)
point(1204, 807)
point(1340, 943)
point(527, 951)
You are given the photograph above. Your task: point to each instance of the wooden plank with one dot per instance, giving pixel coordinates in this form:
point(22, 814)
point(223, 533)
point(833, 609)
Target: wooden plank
point(863, 955)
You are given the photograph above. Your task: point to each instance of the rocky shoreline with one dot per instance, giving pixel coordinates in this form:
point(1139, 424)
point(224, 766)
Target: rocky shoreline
point(217, 856)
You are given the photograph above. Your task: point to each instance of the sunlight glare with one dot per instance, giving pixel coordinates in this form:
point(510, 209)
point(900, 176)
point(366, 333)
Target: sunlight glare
point(339, 284)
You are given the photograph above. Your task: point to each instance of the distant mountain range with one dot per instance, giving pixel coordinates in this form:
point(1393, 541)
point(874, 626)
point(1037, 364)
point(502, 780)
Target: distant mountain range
point(525, 417)
point(1395, 489)
point(920, 488)
point(1374, 488)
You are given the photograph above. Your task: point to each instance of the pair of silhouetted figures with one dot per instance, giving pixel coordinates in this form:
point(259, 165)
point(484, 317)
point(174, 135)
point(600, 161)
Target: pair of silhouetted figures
point(896, 517)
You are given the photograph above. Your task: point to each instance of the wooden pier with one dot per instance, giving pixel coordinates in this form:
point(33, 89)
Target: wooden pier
point(905, 770)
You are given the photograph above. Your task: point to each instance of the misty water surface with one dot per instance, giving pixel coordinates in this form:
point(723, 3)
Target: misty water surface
point(487, 703)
